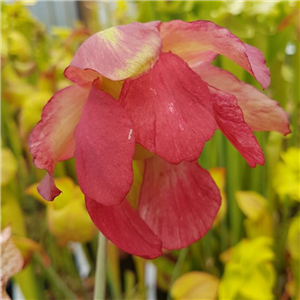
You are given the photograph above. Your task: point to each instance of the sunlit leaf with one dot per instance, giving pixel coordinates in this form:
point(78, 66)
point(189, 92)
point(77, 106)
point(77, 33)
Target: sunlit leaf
point(134, 193)
point(293, 238)
point(11, 213)
point(247, 271)
point(195, 285)
point(32, 110)
point(218, 175)
point(251, 204)
point(8, 166)
point(19, 46)
point(261, 227)
point(287, 175)
point(67, 217)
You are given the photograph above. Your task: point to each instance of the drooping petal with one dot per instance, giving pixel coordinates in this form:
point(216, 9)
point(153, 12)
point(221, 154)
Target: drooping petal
point(80, 76)
point(47, 188)
point(231, 122)
point(104, 149)
point(120, 52)
point(52, 140)
point(170, 109)
point(260, 112)
point(199, 41)
point(87, 77)
point(179, 203)
point(124, 227)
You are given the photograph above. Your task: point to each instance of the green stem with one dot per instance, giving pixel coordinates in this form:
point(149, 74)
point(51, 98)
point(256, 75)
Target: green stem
point(177, 269)
point(100, 278)
point(233, 185)
point(54, 279)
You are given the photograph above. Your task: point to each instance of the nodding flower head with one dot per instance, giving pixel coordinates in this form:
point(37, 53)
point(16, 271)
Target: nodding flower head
point(151, 88)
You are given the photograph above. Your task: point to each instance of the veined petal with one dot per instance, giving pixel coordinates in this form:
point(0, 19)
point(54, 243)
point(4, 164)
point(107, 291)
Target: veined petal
point(231, 122)
point(124, 227)
point(120, 52)
point(260, 112)
point(104, 149)
point(52, 140)
point(199, 41)
point(170, 109)
point(179, 203)
point(80, 76)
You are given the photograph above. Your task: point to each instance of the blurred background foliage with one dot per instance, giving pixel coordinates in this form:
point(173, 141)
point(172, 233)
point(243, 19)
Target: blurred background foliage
point(251, 252)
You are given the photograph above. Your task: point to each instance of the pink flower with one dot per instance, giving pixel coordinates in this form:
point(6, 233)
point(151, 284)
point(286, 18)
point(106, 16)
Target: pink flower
point(164, 105)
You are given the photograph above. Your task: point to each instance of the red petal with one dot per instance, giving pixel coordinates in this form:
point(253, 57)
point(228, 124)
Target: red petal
point(124, 227)
point(104, 149)
point(79, 76)
point(52, 139)
point(47, 188)
point(170, 109)
point(198, 42)
point(230, 120)
point(260, 112)
point(179, 203)
point(120, 52)
point(155, 24)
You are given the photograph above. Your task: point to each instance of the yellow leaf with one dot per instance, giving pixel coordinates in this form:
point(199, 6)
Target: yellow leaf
point(195, 285)
point(251, 204)
point(11, 213)
point(32, 191)
point(261, 227)
point(71, 223)
point(8, 166)
point(249, 272)
point(141, 153)
point(218, 175)
point(32, 110)
point(293, 238)
point(134, 193)
point(287, 175)
point(67, 217)
point(19, 46)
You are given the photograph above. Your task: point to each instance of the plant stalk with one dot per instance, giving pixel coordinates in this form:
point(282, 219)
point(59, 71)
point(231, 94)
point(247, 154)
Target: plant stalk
point(100, 278)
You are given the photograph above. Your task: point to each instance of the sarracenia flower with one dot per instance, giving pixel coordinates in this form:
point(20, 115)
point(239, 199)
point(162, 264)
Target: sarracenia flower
point(170, 100)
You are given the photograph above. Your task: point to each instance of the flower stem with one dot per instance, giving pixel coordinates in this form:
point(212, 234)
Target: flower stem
point(177, 269)
point(54, 279)
point(100, 278)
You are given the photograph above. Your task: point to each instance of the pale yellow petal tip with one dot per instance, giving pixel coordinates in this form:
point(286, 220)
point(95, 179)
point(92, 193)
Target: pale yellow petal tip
point(111, 35)
point(121, 52)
